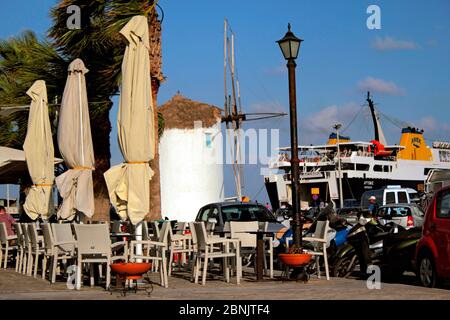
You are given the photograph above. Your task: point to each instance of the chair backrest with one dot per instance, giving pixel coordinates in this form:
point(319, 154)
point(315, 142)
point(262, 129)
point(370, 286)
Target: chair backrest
point(210, 226)
point(48, 236)
point(32, 233)
point(201, 235)
point(164, 232)
point(3, 233)
point(156, 231)
point(145, 233)
point(321, 229)
point(62, 232)
point(26, 238)
point(193, 234)
point(19, 234)
point(93, 239)
point(239, 231)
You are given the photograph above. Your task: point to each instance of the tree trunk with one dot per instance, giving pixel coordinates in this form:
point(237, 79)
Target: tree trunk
point(157, 78)
point(100, 138)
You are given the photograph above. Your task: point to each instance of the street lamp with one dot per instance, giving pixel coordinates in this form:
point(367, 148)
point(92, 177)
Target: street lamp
point(290, 46)
point(336, 127)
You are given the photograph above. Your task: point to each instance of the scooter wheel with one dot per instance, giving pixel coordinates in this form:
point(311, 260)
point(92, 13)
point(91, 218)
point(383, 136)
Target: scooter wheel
point(344, 267)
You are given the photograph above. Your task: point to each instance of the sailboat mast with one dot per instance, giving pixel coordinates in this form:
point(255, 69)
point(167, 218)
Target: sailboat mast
point(225, 68)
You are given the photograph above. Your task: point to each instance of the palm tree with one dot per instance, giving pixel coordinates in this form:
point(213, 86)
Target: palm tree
point(25, 59)
point(100, 45)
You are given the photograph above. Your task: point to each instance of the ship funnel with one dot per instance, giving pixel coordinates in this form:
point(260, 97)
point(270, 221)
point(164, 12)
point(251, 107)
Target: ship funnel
point(415, 148)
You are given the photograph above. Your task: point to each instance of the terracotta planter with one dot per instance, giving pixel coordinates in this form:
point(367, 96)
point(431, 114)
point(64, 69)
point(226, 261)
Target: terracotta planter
point(130, 269)
point(295, 259)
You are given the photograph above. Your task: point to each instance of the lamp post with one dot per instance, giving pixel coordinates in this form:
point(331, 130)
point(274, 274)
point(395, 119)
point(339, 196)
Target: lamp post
point(337, 126)
point(290, 46)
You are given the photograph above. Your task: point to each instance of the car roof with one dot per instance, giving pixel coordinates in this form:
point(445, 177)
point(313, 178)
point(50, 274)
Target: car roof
point(233, 203)
point(397, 205)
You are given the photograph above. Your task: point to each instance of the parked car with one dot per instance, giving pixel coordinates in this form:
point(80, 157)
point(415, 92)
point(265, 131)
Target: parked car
point(433, 249)
point(390, 195)
point(406, 215)
point(222, 212)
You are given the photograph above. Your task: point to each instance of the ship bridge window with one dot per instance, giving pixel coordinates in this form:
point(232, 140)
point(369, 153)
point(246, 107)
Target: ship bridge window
point(444, 155)
point(380, 168)
point(362, 167)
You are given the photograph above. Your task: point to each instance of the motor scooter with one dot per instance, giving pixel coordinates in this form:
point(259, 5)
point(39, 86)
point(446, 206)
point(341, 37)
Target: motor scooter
point(381, 243)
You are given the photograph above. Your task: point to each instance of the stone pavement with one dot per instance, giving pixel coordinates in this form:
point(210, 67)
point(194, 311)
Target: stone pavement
point(18, 286)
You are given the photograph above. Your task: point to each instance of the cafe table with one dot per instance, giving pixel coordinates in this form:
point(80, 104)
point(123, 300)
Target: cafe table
point(259, 249)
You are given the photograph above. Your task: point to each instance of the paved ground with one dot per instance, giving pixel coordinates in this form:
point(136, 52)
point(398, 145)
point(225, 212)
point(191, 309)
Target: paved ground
point(18, 286)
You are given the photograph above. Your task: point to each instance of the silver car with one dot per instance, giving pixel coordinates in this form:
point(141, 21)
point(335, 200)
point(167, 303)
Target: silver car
point(406, 215)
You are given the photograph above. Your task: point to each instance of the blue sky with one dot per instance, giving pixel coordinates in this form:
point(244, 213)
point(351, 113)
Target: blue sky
point(406, 64)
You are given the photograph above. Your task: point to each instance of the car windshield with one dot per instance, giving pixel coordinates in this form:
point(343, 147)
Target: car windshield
point(247, 213)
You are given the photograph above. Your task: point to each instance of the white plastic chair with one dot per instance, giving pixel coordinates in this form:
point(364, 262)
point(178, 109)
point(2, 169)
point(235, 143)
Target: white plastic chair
point(94, 246)
point(27, 248)
point(180, 244)
point(36, 249)
point(319, 241)
point(4, 243)
point(55, 248)
point(20, 247)
point(155, 251)
point(205, 252)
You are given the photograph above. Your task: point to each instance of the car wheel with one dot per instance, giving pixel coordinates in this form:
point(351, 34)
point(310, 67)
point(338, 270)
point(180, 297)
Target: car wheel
point(427, 272)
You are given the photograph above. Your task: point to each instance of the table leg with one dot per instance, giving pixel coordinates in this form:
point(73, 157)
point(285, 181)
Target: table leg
point(259, 256)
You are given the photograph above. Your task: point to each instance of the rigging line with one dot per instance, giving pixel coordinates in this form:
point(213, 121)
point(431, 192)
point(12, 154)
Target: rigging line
point(259, 191)
point(354, 118)
point(350, 187)
point(266, 117)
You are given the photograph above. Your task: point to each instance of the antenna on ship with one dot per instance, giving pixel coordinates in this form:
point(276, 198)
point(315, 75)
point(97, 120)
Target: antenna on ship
point(233, 114)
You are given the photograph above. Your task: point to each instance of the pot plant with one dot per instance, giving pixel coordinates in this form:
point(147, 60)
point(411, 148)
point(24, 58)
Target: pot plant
point(295, 257)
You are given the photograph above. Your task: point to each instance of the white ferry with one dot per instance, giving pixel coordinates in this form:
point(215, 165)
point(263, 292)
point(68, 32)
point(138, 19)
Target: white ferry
point(364, 166)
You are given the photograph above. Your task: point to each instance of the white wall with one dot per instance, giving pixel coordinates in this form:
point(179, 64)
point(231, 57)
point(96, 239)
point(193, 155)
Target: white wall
point(191, 172)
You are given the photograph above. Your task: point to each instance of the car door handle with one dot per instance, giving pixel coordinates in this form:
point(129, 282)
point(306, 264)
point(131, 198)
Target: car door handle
point(433, 226)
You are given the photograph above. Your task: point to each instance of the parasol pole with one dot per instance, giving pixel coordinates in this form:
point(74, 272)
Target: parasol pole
point(81, 128)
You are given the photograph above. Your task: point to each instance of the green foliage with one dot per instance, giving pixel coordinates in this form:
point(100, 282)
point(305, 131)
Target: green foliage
point(25, 59)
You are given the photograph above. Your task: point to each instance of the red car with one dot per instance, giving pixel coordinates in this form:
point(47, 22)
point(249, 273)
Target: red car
point(433, 249)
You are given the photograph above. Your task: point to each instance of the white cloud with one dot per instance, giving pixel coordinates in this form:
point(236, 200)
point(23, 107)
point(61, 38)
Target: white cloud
point(434, 129)
point(390, 43)
point(315, 127)
point(380, 86)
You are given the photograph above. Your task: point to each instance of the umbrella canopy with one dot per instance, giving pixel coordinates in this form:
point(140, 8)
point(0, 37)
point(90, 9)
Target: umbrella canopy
point(128, 183)
point(39, 154)
point(75, 145)
point(13, 165)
